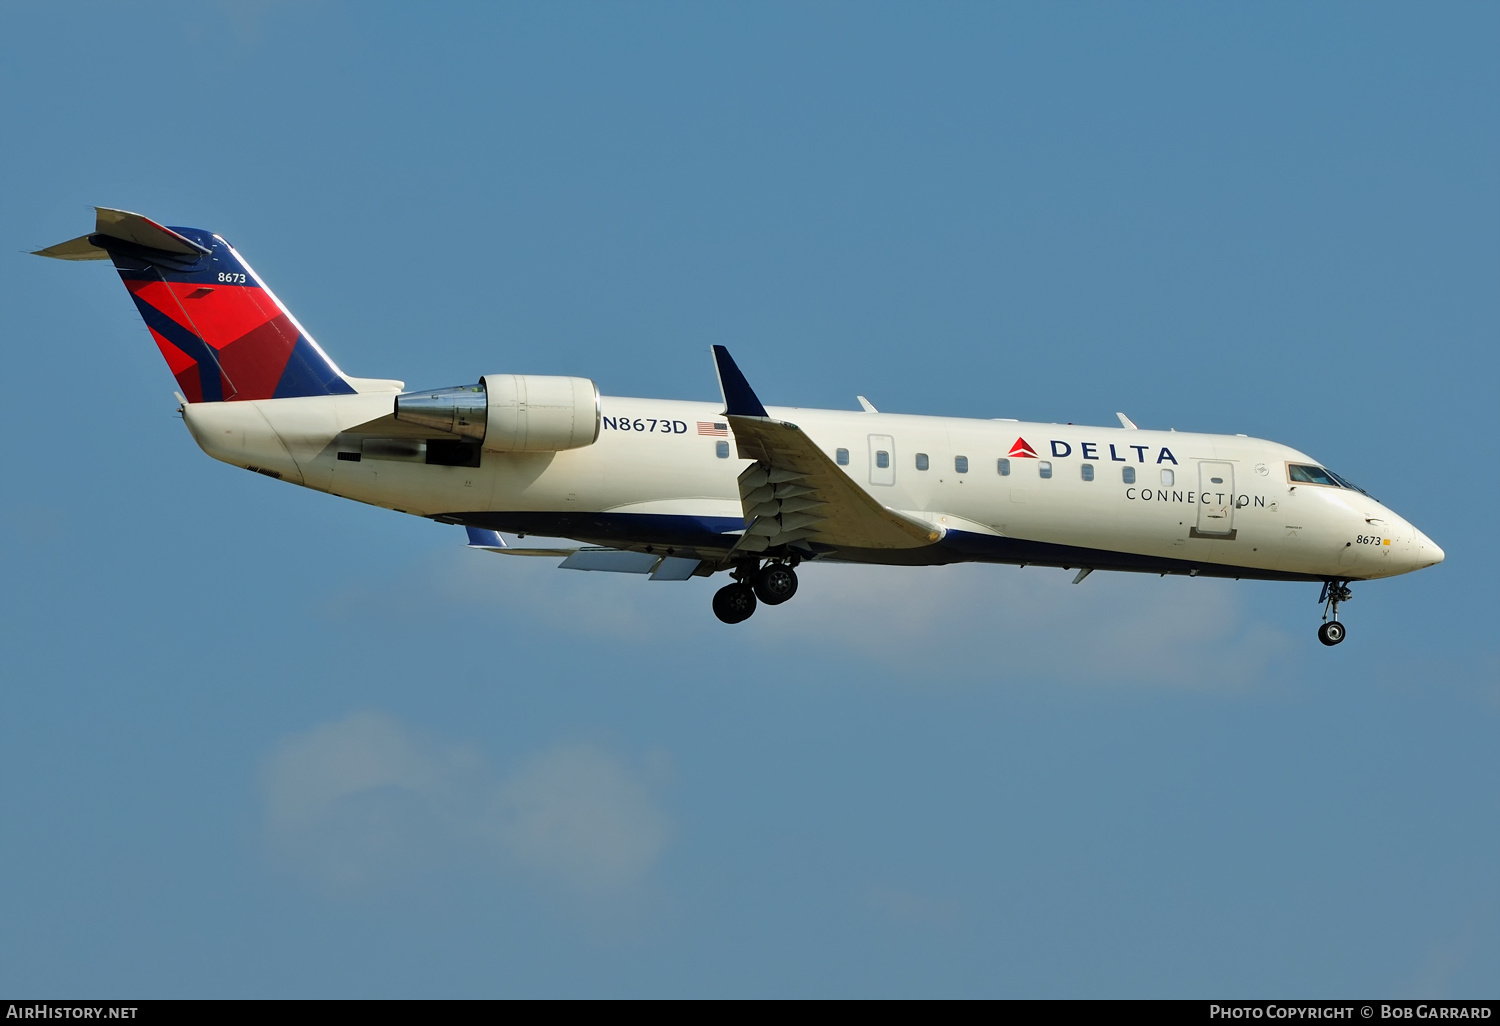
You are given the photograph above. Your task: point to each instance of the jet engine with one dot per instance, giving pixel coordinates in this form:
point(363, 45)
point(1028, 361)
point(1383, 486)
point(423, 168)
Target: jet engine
point(510, 412)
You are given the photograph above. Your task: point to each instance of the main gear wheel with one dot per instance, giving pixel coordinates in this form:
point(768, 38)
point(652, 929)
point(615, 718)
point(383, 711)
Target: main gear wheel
point(734, 603)
point(774, 583)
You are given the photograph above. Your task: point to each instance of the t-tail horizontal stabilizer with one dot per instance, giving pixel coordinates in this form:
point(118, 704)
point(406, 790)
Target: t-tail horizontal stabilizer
point(121, 230)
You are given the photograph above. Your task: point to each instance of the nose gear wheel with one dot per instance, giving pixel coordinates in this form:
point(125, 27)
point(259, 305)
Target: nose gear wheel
point(1334, 593)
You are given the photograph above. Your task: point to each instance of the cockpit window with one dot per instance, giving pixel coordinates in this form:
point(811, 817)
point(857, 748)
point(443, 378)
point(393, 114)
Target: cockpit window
point(1346, 482)
point(1304, 474)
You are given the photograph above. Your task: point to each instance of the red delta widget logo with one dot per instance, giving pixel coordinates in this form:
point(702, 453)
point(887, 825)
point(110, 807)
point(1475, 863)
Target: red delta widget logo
point(1090, 451)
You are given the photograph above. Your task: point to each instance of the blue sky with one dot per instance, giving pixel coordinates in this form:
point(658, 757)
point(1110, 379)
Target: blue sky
point(260, 741)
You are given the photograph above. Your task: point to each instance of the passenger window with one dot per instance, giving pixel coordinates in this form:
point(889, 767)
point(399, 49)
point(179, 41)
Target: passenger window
point(721, 450)
point(841, 456)
point(1044, 468)
point(961, 464)
point(1088, 471)
point(921, 461)
point(1167, 477)
point(1003, 466)
point(882, 459)
point(1128, 474)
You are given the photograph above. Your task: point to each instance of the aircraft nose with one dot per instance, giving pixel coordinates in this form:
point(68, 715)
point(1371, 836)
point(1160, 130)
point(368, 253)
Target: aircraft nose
point(1428, 553)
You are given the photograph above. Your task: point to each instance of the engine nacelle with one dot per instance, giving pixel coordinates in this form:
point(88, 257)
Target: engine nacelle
point(536, 413)
point(510, 412)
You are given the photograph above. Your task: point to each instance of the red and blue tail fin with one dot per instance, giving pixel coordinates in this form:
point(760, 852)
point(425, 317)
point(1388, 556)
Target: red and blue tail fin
point(223, 333)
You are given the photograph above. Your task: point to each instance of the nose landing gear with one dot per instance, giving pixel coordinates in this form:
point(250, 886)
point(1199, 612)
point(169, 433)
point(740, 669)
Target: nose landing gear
point(771, 584)
point(1334, 592)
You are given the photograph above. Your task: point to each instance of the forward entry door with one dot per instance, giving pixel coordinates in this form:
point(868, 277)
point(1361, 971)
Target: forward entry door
point(1215, 500)
point(882, 460)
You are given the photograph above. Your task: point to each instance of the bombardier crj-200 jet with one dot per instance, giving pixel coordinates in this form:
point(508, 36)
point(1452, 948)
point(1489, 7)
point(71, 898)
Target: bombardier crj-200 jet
point(682, 489)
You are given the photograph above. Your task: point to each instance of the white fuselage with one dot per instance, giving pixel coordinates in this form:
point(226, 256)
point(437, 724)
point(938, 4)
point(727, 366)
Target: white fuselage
point(1222, 503)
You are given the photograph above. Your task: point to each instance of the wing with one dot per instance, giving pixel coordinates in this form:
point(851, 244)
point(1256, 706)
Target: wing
point(794, 493)
point(618, 561)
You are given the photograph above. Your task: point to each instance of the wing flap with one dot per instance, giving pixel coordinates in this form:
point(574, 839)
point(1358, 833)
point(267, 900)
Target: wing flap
point(615, 561)
point(618, 561)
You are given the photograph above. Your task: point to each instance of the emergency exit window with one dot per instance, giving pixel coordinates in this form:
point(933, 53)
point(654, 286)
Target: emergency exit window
point(882, 459)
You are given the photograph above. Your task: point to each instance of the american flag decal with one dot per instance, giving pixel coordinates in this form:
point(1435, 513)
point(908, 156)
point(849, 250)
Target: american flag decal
point(717, 430)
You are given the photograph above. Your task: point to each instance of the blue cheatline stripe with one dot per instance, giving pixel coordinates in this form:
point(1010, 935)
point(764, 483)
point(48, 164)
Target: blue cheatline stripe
point(983, 548)
point(210, 379)
point(610, 528)
point(624, 530)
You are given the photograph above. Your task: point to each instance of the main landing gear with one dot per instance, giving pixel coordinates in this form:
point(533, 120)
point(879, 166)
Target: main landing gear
point(1334, 592)
point(771, 584)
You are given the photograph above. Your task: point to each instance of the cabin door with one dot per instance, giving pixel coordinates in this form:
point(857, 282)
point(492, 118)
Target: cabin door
point(1215, 500)
point(882, 460)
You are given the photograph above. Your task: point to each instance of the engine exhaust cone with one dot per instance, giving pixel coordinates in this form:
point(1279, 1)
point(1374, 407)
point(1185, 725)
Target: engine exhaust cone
point(462, 410)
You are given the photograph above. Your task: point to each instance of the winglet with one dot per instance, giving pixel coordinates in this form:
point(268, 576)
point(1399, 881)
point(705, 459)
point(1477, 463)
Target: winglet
point(1126, 422)
point(739, 397)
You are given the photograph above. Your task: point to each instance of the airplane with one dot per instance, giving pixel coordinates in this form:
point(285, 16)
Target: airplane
point(677, 490)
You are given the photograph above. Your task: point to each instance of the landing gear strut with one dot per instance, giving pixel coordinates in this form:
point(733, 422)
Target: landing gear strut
point(771, 584)
point(1334, 592)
